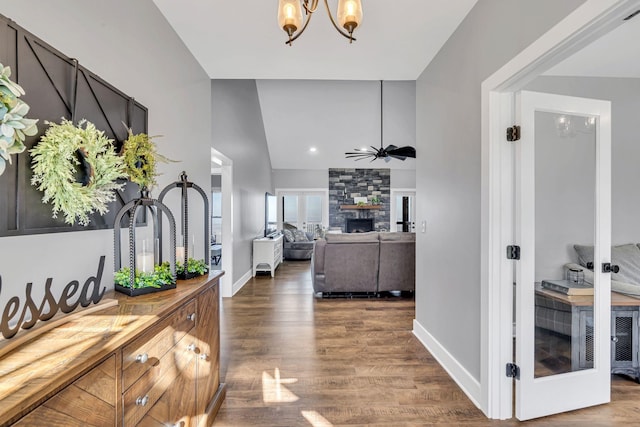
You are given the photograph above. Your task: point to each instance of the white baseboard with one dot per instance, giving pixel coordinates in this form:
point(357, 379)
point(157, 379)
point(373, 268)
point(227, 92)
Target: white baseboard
point(469, 385)
point(241, 282)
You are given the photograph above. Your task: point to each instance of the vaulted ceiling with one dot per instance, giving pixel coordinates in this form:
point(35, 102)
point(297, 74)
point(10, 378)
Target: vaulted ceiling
point(338, 108)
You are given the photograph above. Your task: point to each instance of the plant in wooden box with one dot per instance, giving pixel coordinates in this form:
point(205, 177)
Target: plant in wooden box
point(146, 272)
point(14, 126)
point(76, 167)
point(188, 267)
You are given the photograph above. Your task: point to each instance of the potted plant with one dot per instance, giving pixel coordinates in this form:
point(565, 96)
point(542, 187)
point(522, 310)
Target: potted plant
point(14, 126)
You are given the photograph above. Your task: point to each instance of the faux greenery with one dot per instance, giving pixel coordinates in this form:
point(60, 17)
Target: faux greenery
point(14, 126)
point(161, 276)
point(140, 158)
point(55, 160)
point(193, 266)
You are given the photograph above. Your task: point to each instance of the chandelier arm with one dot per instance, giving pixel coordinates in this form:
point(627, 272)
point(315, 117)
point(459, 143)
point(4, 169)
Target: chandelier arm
point(313, 8)
point(306, 23)
point(347, 35)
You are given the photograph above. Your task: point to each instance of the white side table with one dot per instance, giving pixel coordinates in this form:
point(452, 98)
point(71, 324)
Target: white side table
point(267, 254)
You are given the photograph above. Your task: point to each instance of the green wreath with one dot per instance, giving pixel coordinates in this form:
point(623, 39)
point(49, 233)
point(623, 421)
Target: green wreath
point(63, 152)
point(140, 159)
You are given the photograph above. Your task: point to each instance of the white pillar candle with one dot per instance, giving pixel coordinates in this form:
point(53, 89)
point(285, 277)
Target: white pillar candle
point(180, 254)
point(144, 262)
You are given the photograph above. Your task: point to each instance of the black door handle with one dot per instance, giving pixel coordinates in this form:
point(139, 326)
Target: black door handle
point(608, 268)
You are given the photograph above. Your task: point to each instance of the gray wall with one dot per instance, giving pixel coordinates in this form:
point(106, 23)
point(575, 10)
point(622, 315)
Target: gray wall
point(448, 167)
point(238, 133)
point(555, 248)
point(130, 45)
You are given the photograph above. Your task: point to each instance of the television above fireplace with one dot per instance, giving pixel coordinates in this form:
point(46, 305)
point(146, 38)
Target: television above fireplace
point(359, 225)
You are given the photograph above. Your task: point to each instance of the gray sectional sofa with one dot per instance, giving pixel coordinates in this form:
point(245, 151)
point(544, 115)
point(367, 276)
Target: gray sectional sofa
point(364, 263)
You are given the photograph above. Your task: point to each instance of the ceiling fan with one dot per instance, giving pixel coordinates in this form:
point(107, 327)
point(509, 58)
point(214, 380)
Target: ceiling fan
point(386, 153)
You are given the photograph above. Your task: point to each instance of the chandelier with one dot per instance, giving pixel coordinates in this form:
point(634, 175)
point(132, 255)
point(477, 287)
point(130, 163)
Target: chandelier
point(290, 16)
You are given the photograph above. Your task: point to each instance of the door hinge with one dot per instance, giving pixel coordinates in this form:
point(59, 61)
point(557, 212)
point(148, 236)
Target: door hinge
point(513, 252)
point(513, 371)
point(513, 133)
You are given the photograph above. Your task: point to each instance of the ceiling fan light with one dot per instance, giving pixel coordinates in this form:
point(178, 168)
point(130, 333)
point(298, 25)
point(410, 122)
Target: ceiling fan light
point(349, 14)
point(289, 16)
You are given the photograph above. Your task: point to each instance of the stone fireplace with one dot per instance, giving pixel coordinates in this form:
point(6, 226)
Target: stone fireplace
point(347, 184)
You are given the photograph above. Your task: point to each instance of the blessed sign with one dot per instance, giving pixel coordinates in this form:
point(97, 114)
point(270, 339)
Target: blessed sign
point(18, 314)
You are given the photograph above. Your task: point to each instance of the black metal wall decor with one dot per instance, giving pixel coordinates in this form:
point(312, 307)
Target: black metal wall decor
point(183, 252)
point(56, 86)
point(144, 276)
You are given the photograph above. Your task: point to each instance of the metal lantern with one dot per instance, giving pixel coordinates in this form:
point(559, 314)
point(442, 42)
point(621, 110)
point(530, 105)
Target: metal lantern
point(144, 260)
point(184, 185)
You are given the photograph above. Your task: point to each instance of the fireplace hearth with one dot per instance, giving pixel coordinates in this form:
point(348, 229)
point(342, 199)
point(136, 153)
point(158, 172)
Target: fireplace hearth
point(359, 225)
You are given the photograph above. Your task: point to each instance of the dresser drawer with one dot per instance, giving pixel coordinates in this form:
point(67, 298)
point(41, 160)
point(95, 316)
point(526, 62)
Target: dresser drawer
point(143, 395)
point(144, 353)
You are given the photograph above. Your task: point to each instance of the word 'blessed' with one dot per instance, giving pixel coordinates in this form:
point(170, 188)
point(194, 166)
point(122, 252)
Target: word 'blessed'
point(66, 303)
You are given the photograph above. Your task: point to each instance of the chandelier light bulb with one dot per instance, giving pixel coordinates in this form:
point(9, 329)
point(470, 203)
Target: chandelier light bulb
point(291, 21)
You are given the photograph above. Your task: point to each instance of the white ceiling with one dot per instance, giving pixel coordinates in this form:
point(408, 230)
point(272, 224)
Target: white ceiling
point(242, 40)
point(616, 54)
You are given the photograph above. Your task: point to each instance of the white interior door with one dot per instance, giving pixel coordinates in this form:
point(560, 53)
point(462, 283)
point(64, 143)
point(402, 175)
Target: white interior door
point(563, 197)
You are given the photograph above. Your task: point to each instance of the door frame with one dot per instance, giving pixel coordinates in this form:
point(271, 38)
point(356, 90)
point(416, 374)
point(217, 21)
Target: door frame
point(395, 192)
point(226, 166)
point(588, 22)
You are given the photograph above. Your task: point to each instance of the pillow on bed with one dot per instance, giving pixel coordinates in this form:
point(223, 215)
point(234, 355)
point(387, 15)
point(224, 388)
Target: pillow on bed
point(585, 254)
point(627, 257)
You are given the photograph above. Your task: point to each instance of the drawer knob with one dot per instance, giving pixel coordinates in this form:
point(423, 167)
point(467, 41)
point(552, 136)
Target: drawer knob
point(191, 347)
point(142, 358)
point(142, 401)
point(204, 356)
point(191, 317)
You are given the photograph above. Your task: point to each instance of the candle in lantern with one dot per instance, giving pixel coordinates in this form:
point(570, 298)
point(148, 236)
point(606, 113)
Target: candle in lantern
point(180, 254)
point(144, 262)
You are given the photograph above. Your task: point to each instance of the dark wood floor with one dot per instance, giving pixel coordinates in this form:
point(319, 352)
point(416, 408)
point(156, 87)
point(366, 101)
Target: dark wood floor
point(290, 359)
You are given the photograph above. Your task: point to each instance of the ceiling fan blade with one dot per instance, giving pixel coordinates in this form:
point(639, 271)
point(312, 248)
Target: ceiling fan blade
point(406, 151)
point(390, 148)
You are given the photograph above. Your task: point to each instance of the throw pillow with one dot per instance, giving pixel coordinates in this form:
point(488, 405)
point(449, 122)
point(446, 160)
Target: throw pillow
point(300, 236)
point(585, 254)
point(288, 235)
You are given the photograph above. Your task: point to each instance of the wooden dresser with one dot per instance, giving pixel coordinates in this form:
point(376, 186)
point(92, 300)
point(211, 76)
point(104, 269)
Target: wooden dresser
point(152, 360)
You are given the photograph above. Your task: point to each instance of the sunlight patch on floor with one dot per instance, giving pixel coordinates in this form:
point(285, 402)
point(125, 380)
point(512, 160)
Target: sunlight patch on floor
point(273, 390)
point(316, 419)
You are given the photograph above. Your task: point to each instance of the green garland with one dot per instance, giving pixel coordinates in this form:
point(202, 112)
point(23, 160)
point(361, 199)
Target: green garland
point(140, 157)
point(55, 162)
point(14, 126)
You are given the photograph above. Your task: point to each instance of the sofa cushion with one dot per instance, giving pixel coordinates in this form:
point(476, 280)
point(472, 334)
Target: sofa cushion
point(371, 237)
point(397, 237)
point(288, 235)
point(300, 236)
